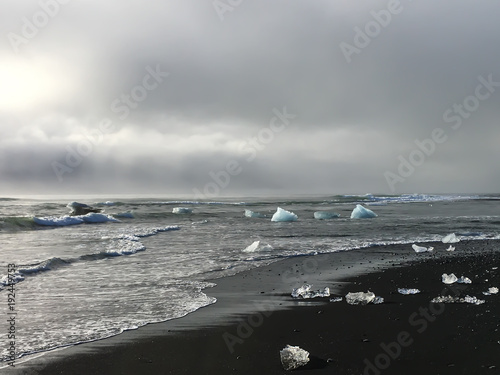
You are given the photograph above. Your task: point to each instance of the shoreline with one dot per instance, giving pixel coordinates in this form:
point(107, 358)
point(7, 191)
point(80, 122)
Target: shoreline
point(254, 309)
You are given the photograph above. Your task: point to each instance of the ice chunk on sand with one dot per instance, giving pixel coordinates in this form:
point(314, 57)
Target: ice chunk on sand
point(378, 300)
point(325, 215)
point(492, 290)
point(451, 299)
point(182, 210)
point(448, 279)
point(249, 213)
point(257, 246)
point(464, 280)
point(361, 212)
point(408, 291)
point(451, 248)
point(293, 357)
point(336, 299)
point(421, 249)
point(305, 292)
point(284, 215)
point(359, 298)
point(473, 300)
point(450, 238)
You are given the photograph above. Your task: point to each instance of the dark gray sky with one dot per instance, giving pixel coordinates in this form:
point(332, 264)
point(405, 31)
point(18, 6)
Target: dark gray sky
point(184, 86)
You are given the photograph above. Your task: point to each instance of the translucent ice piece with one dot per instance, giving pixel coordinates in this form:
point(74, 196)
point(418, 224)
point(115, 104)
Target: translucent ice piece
point(293, 357)
point(359, 298)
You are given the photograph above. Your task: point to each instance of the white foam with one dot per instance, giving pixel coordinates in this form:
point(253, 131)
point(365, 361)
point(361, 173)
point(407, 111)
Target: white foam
point(61, 221)
point(182, 210)
point(249, 213)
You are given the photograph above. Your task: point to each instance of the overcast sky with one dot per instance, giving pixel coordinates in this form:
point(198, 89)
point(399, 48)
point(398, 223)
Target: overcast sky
point(171, 94)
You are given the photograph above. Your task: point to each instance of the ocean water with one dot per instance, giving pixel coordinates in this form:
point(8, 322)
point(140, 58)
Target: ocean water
point(85, 278)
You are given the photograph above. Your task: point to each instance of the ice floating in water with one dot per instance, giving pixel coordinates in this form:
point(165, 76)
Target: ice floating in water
point(305, 292)
point(182, 210)
point(325, 215)
point(293, 357)
point(448, 279)
point(249, 213)
point(359, 298)
point(464, 280)
point(450, 238)
point(361, 212)
point(408, 291)
point(451, 248)
point(284, 215)
point(421, 249)
point(336, 299)
point(61, 221)
point(492, 290)
point(257, 246)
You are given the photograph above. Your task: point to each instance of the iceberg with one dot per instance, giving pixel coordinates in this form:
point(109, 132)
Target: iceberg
point(451, 248)
point(361, 212)
point(450, 238)
point(249, 213)
point(293, 357)
point(408, 291)
point(449, 279)
point(421, 249)
point(305, 292)
point(359, 298)
point(182, 210)
point(325, 215)
point(492, 290)
point(257, 246)
point(284, 215)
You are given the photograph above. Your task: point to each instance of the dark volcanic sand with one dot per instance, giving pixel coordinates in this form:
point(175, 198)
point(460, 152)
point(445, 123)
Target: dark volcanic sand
point(342, 339)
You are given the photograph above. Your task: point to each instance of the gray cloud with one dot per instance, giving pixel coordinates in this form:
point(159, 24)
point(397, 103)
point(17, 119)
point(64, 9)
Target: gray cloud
point(225, 78)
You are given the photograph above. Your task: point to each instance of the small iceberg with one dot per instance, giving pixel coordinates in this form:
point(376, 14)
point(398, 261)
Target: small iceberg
point(449, 279)
point(284, 215)
point(451, 248)
point(492, 290)
point(361, 212)
point(408, 291)
point(182, 210)
point(257, 246)
point(293, 357)
point(421, 249)
point(450, 238)
point(305, 292)
point(249, 213)
point(360, 298)
point(325, 215)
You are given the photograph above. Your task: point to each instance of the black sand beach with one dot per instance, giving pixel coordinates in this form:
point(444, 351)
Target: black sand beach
point(255, 318)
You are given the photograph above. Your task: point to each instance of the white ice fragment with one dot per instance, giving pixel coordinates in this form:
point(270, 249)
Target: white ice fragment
point(305, 292)
point(336, 299)
point(464, 280)
point(473, 300)
point(257, 246)
point(449, 279)
point(249, 213)
point(361, 212)
point(450, 238)
point(408, 291)
point(451, 248)
point(421, 249)
point(325, 215)
point(293, 357)
point(182, 210)
point(378, 300)
point(359, 298)
point(492, 290)
point(284, 215)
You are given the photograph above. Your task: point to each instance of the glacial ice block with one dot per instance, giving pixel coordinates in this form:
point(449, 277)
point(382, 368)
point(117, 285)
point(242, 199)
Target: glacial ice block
point(284, 215)
point(325, 215)
point(249, 213)
point(449, 279)
point(361, 212)
point(451, 248)
point(450, 238)
point(257, 246)
point(182, 210)
point(421, 249)
point(305, 292)
point(408, 291)
point(359, 298)
point(293, 357)
point(492, 290)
